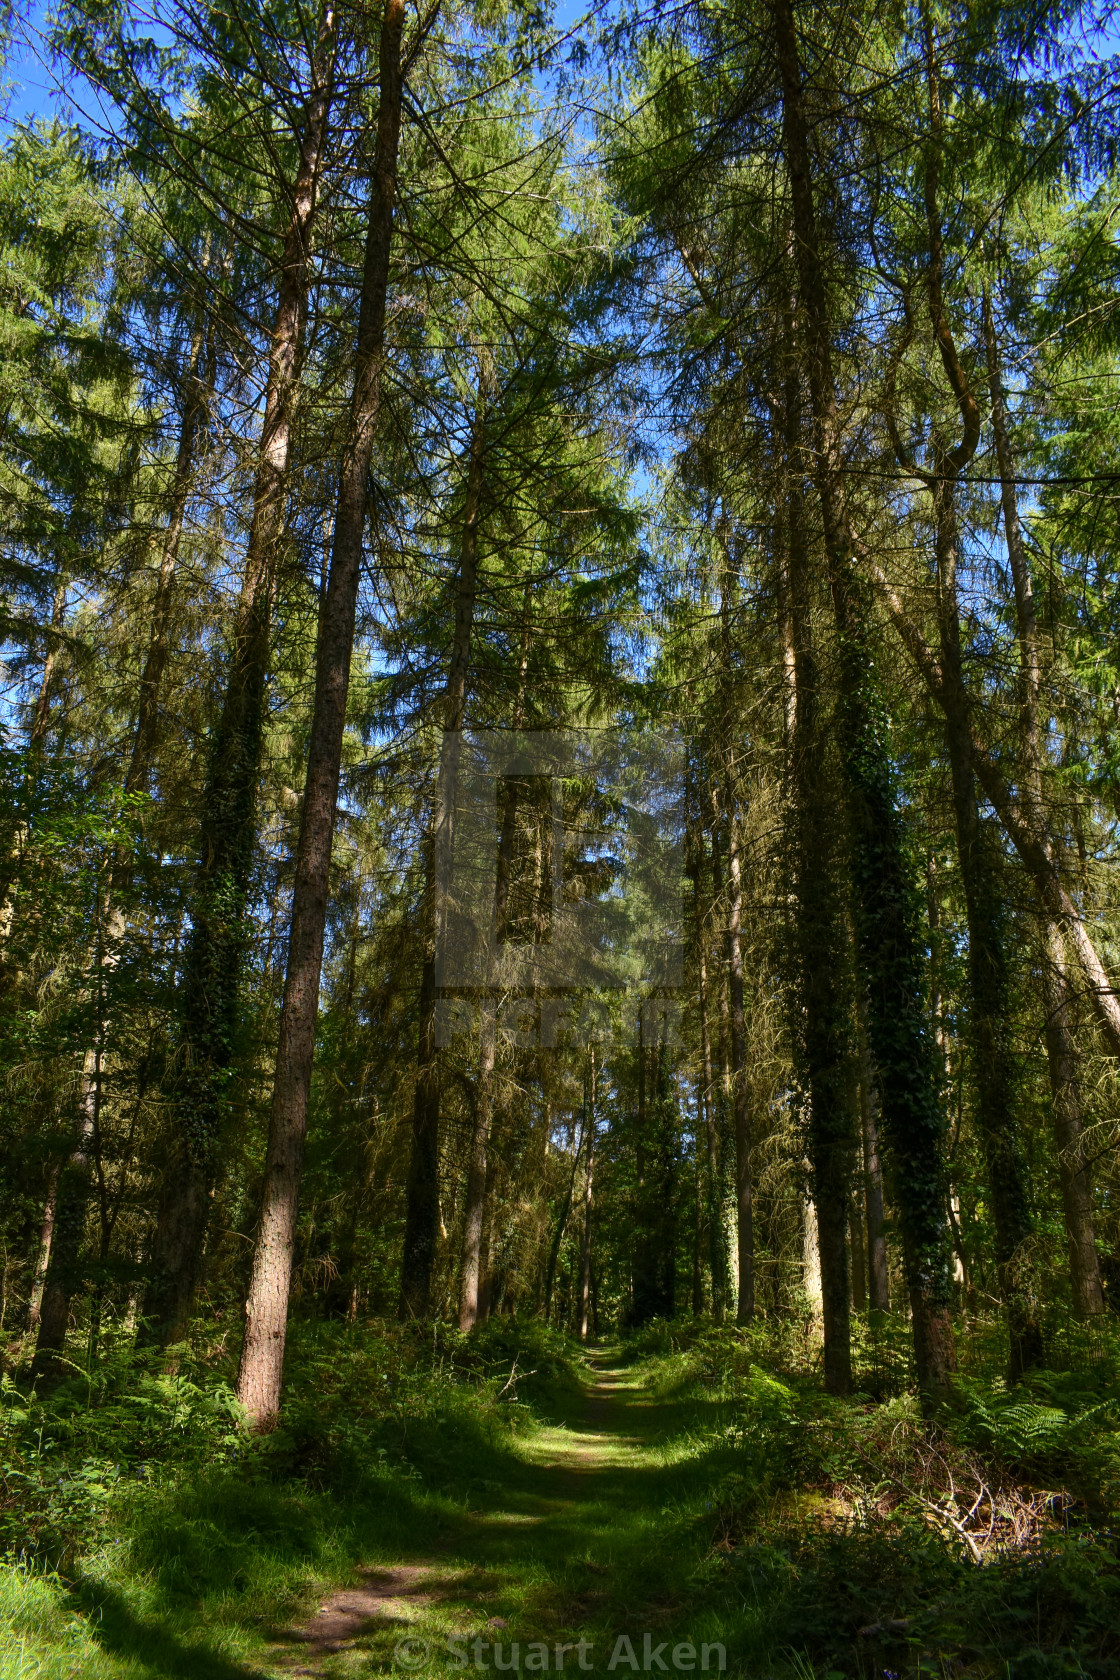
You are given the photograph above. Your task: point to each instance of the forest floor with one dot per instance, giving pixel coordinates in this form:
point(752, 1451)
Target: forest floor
point(656, 1508)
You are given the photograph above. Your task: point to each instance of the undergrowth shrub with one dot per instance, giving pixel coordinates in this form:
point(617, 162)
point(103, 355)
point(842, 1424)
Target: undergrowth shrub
point(363, 1402)
point(981, 1543)
point(789, 1344)
point(66, 1460)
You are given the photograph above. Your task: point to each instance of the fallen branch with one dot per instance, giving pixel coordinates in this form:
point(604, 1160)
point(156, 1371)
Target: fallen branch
point(512, 1378)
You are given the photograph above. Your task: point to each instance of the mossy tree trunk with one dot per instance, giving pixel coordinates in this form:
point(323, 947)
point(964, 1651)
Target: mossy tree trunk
point(886, 918)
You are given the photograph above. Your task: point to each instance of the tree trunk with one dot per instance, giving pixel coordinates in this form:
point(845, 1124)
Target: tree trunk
point(820, 932)
point(1061, 1051)
point(713, 1183)
point(1077, 1189)
point(63, 1273)
point(856, 1235)
point(654, 1242)
point(473, 1262)
point(266, 1306)
point(64, 1269)
point(963, 1274)
point(43, 1255)
point(744, 1189)
point(723, 1105)
point(422, 1192)
point(698, 1210)
point(886, 921)
point(989, 980)
point(210, 984)
point(1030, 838)
point(470, 1272)
point(421, 1230)
point(878, 1276)
point(643, 1261)
point(988, 994)
point(585, 1243)
point(475, 1272)
point(146, 732)
point(561, 1226)
point(811, 1256)
point(470, 1264)
point(667, 1132)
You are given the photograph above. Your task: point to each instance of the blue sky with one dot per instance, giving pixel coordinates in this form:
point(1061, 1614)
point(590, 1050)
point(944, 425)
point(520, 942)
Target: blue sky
point(28, 85)
point(30, 88)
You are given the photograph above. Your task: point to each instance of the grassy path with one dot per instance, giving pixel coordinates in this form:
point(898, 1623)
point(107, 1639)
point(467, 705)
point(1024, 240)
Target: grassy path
point(460, 1537)
point(579, 1532)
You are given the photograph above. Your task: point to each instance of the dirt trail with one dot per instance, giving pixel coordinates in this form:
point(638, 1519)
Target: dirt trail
point(388, 1595)
point(553, 1506)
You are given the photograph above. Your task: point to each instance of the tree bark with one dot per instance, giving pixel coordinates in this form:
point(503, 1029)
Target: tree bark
point(561, 1226)
point(585, 1241)
point(64, 1268)
point(266, 1306)
point(146, 732)
point(477, 1295)
point(723, 1103)
point(470, 1263)
point(421, 1230)
point(470, 1271)
point(1076, 1183)
point(698, 1210)
point(422, 1193)
point(820, 931)
point(473, 1262)
point(666, 1161)
point(744, 1188)
point(878, 1276)
point(43, 1255)
point(856, 1236)
point(653, 1248)
point(713, 1183)
point(811, 1257)
point(1033, 843)
point(63, 1272)
point(740, 1096)
point(886, 915)
point(210, 984)
point(1061, 1050)
point(989, 980)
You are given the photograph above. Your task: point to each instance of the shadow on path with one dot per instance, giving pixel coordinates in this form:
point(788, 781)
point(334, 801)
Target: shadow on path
point(571, 1541)
point(118, 1630)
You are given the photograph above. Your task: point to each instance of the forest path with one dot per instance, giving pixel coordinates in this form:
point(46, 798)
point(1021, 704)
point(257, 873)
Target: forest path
point(565, 1538)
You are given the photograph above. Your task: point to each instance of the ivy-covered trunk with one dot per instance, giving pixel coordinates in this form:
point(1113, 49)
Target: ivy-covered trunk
point(1058, 1000)
point(886, 911)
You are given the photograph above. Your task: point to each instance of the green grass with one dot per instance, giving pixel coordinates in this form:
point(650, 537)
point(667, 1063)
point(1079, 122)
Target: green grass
point(676, 1489)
